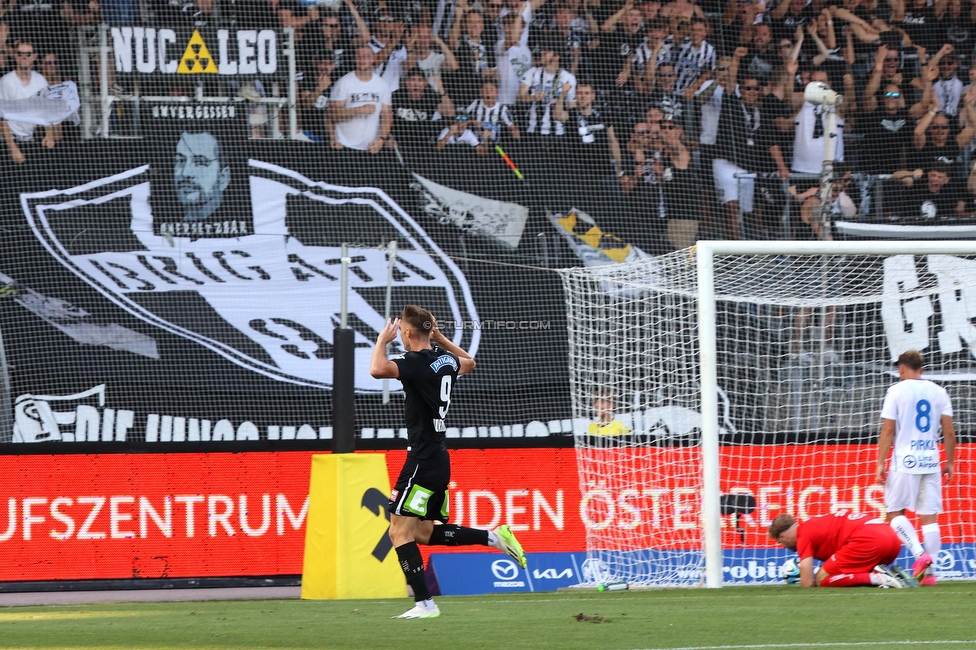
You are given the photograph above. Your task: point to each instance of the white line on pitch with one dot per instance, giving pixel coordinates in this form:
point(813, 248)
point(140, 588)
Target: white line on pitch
point(605, 598)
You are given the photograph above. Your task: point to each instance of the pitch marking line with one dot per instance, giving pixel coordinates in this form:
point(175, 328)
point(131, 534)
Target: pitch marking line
point(617, 598)
point(838, 644)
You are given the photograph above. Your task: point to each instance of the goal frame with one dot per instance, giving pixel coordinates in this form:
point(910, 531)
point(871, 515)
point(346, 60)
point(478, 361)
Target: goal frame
point(705, 252)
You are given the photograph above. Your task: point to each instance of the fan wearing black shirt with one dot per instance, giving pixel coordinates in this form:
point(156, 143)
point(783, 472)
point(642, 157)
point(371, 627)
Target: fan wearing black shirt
point(329, 38)
point(38, 22)
point(887, 133)
point(790, 14)
point(918, 20)
point(592, 147)
point(663, 95)
point(931, 198)
point(617, 48)
point(661, 190)
point(474, 52)
point(763, 56)
point(956, 28)
point(933, 143)
point(314, 95)
point(415, 109)
point(428, 371)
point(742, 145)
point(301, 17)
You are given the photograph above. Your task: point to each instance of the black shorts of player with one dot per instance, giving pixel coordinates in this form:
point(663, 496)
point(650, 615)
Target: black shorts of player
point(421, 489)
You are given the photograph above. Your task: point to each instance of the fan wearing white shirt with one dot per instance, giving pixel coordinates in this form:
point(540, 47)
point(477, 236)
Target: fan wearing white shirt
point(913, 412)
point(808, 143)
point(23, 83)
point(361, 107)
point(526, 9)
point(514, 60)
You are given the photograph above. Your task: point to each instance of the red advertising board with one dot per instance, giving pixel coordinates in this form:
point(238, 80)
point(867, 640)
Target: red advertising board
point(72, 517)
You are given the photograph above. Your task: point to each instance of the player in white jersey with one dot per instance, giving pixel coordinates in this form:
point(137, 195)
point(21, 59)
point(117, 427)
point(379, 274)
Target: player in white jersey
point(913, 412)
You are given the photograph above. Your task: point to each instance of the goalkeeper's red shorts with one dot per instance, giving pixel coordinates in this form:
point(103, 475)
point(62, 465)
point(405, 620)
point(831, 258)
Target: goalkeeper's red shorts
point(870, 546)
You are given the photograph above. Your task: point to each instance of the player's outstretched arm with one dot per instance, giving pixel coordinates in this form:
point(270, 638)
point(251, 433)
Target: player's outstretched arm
point(467, 361)
point(885, 440)
point(379, 366)
point(949, 440)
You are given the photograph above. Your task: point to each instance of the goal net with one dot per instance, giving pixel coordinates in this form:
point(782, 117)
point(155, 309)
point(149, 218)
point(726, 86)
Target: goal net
point(803, 354)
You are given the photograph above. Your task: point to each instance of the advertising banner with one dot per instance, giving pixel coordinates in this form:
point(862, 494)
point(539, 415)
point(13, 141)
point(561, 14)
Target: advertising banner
point(469, 574)
point(244, 514)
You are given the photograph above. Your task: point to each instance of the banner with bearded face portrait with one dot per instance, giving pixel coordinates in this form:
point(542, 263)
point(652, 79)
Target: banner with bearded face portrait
point(193, 283)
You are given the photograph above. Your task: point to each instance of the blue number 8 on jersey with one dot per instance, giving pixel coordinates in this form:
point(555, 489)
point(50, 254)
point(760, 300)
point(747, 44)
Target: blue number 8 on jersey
point(923, 418)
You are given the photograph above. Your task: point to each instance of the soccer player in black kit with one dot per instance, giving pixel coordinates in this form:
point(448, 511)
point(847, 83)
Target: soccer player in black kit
point(428, 370)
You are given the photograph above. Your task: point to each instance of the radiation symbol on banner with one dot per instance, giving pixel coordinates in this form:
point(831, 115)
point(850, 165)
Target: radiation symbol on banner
point(196, 58)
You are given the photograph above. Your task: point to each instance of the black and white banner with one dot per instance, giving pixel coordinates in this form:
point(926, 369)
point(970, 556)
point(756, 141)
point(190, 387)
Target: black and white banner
point(179, 50)
point(186, 289)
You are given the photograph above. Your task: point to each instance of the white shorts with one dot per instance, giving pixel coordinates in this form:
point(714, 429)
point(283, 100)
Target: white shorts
point(730, 188)
point(920, 493)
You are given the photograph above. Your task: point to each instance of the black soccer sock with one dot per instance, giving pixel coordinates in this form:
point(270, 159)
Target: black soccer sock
point(453, 535)
point(413, 568)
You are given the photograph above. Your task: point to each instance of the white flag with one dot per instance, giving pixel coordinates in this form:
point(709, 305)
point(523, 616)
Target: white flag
point(51, 106)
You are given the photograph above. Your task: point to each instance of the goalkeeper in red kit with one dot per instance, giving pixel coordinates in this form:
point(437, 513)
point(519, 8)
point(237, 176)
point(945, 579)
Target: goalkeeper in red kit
point(853, 547)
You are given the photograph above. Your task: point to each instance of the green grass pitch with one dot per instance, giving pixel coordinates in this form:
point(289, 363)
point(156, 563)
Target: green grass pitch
point(735, 617)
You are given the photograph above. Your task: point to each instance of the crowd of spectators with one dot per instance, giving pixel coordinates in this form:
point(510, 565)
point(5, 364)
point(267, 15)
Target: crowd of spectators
point(648, 112)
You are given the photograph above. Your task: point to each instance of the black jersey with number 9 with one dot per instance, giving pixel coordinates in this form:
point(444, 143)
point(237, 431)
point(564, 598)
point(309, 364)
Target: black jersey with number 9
point(428, 377)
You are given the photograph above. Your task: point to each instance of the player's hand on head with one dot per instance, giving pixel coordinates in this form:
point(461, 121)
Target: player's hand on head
point(389, 331)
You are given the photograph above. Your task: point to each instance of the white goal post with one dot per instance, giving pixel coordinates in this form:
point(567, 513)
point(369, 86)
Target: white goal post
point(715, 387)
